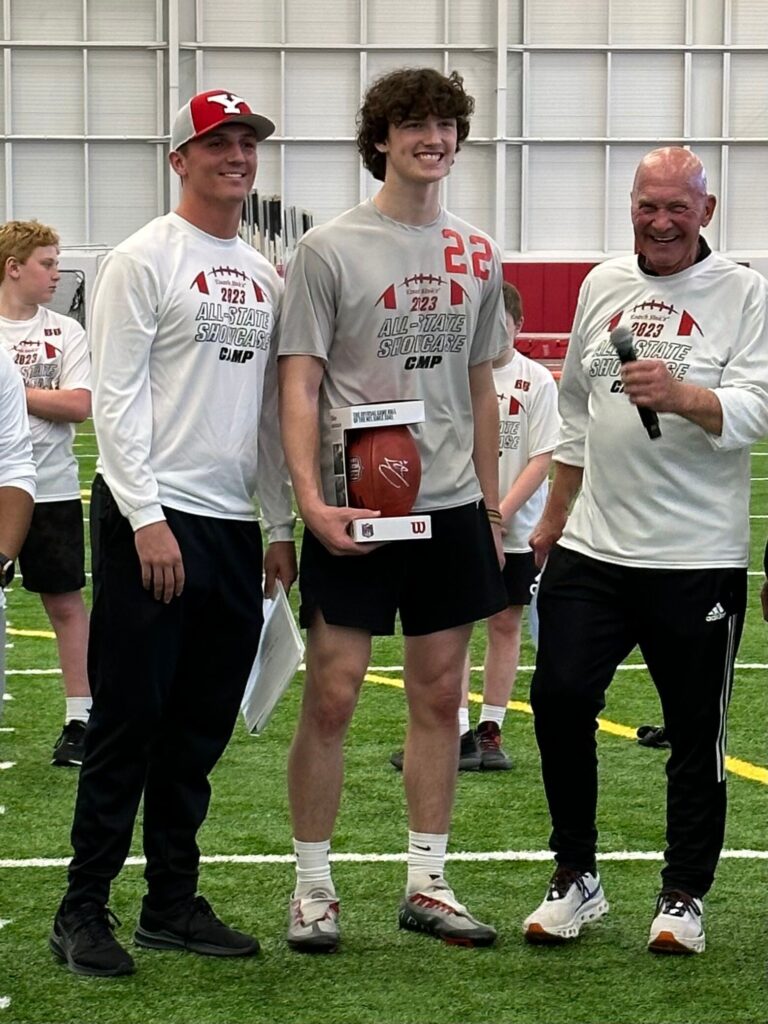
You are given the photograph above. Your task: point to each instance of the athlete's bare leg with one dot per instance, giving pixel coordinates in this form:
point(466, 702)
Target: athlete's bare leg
point(69, 618)
point(502, 655)
point(337, 659)
point(433, 674)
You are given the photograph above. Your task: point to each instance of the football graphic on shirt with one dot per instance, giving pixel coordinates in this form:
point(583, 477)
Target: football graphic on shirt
point(383, 469)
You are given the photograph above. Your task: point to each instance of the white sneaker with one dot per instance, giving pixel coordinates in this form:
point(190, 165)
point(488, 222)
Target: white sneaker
point(313, 922)
point(677, 925)
point(435, 911)
point(574, 898)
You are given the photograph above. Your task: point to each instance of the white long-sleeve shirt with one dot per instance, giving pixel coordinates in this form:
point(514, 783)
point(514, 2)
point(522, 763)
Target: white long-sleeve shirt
point(682, 501)
point(184, 380)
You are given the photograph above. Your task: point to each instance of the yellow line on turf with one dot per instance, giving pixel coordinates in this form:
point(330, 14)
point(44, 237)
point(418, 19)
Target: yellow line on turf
point(745, 769)
point(31, 632)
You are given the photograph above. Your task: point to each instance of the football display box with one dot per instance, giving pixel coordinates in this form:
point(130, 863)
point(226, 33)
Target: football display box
point(360, 417)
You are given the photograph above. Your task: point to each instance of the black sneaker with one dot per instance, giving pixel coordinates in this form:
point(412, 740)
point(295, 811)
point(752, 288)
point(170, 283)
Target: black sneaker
point(68, 752)
point(469, 755)
point(191, 925)
point(653, 736)
point(82, 938)
point(492, 757)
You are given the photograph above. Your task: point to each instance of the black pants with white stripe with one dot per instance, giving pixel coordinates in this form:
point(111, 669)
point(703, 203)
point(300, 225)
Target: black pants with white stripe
point(167, 682)
point(687, 625)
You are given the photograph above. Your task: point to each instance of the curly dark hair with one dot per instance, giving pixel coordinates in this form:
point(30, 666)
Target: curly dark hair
point(406, 93)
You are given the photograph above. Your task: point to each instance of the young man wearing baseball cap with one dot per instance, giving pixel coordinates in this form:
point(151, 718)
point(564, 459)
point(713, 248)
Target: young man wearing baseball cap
point(181, 329)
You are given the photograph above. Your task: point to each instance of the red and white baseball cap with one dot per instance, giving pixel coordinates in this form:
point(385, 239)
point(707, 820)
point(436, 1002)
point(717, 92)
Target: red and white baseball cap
point(210, 109)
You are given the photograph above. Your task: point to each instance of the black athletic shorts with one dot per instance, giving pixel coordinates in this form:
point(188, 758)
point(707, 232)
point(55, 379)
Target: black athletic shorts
point(450, 579)
point(52, 559)
point(520, 572)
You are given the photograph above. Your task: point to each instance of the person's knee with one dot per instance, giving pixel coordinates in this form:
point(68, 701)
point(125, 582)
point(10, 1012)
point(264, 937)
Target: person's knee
point(329, 703)
point(437, 703)
point(64, 609)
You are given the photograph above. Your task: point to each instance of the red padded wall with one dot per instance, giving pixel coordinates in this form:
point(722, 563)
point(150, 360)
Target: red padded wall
point(549, 292)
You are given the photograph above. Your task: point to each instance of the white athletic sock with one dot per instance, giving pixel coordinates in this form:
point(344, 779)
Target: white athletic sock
point(463, 721)
point(313, 867)
point(426, 858)
point(78, 709)
point(493, 713)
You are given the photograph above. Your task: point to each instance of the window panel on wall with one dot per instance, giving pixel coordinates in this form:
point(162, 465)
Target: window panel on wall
point(646, 94)
point(108, 21)
point(187, 77)
point(2, 93)
point(122, 92)
point(321, 178)
point(393, 21)
point(566, 189)
point(747, 201)
point(623, 161)
point(567, 94)
point(37, 76)
point(3, 213)
point(123, 192)
point(706, 94)
point(710, 156)
point(48, 186)
point(246, 22)
point(473, 22)
point(254, 76)
point(381, 62)
point(558, 21)
point(472, 187)
point(657, 22)
point(749, 95)
point(41, 19)
point(749, 24)
point(512, 200)
point(514, 126)
point(322, 92)
point(707, 22)
point(331, 22)
point(479, 73)
point(268, 173)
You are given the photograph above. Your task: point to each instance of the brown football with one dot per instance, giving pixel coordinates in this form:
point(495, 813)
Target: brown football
point(383, 469)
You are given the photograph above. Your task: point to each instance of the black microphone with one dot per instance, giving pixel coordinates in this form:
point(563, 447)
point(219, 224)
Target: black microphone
point(623, 341)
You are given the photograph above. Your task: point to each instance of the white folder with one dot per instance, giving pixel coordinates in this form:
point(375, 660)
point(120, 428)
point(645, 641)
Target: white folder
point(280, 653)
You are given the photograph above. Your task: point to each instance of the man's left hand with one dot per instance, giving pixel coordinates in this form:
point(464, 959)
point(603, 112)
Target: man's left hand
point(280, 564)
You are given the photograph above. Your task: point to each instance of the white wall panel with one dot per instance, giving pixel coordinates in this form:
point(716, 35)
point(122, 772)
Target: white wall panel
point(565, 197)
point(122, 90)
point(707, 18)
point(330, 22)
point(749, 22)
point(657, 22)
point(749, 95)
point(381, 62)
point(512, 198)
point(647, 94)
point(123, 193)
point(47, 92)
point(472, 22)
point(322, 179)
point(567, 94)
point(108, 21)
point(321, 93)
point(471, 186)
point(563, 21)
point(48, 186)
point(46, 20)
point(405, 21)
point(706, 94)
point(514, 125)
point(245, 22)
point(710, 157)
point(479, 73)
point(624, 161)
point(253, 75)
point(747, 212)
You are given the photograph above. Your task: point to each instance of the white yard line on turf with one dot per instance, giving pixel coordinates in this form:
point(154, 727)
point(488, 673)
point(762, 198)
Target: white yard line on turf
point(5, 1002)
point(524, 856)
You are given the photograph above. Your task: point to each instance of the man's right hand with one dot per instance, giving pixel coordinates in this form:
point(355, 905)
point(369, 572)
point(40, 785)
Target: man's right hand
point(546, 533)
point(331, 527)
point(162, 570)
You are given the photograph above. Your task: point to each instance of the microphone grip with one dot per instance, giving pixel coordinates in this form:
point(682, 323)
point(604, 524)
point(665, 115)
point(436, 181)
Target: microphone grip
point(650, 421)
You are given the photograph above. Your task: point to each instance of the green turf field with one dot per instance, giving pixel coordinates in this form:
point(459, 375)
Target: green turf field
point(384, 976)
